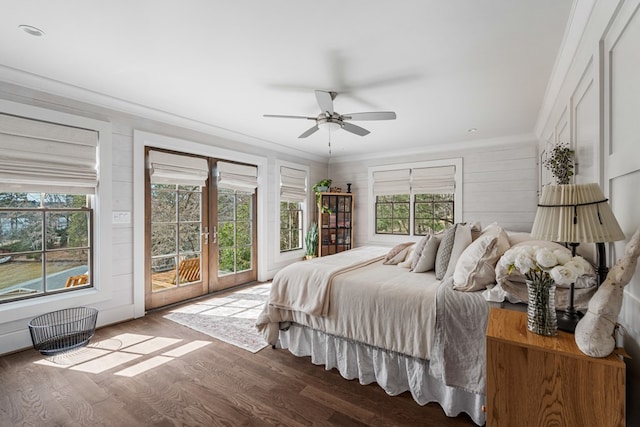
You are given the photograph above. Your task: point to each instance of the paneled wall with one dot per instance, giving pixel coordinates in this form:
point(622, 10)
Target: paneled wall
point(601, 92)
point(500, 181)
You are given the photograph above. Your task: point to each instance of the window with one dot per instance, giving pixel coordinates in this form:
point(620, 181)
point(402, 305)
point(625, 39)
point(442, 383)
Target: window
point(47, 186)
point(433, 213)
point(293, 195)
point(45, 243)
point(415, 199)
point(392, 214)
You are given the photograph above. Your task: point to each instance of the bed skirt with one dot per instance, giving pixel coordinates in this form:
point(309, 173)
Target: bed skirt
point(394, 372)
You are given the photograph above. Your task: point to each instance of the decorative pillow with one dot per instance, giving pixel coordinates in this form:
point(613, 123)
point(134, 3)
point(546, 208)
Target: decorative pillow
point(444, 252)
point(516, 237)
point(418, 250)
point(397, 254)
point(476, 266)
point(461, 241)
point(515, 288)
point(427, 261)
point(408, 260)
point(396, 250)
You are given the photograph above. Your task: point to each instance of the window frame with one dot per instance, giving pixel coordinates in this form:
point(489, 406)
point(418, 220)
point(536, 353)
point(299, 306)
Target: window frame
point(102, 289)
point(43, 212)
point(371, 206)
point(294, 254)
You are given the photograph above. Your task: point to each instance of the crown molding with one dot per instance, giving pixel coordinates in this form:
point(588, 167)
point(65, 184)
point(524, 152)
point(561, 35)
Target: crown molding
point(54, 87)
point(522, 139)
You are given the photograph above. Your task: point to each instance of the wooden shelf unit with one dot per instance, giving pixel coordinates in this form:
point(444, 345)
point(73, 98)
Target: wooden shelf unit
point(533, 380)
point(335, 228)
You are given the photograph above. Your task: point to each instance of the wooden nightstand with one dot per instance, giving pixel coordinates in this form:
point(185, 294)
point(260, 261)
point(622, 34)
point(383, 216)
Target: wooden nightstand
point(534, 380)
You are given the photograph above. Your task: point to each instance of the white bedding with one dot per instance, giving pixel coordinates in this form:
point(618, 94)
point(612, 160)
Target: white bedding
point(405, 323)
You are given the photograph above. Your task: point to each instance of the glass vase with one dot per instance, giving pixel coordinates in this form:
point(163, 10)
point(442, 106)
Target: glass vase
point(541, 309)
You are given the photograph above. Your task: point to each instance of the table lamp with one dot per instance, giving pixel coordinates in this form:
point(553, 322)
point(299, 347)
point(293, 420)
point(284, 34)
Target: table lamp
point(574, 214)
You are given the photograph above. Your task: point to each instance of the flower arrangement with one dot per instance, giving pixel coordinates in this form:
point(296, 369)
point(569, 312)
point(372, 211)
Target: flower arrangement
point(543, 269)
point(536, 262)
point(560, 162)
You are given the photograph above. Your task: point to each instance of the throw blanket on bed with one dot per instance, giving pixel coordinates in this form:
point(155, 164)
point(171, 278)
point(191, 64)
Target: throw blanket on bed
point(304, 286)
point(458, 356)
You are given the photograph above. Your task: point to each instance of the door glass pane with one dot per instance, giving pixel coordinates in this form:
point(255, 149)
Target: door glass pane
point(235, 231)
point(176, 235)
point(163, 273)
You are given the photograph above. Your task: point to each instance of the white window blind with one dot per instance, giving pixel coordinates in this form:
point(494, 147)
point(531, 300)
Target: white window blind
point(435, 180)
point(293, 185)
point(168, 168)
point(46, 157)
point(391, 182)
point(233, 176)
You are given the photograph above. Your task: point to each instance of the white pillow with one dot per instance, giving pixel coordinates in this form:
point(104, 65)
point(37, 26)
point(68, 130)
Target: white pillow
point(408, 260)
point(397, 254)
point(427, 260)
point(418, 250)
point(475, 268)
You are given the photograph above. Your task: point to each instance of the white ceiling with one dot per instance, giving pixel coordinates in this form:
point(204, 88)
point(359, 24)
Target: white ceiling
point(444, 66)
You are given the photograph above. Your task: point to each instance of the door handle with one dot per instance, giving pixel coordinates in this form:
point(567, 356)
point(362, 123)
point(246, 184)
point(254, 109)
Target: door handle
point(215, 234)
point(205, 235)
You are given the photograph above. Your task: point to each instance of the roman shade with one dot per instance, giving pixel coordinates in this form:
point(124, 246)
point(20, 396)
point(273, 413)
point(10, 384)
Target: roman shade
point(37, 156)
point(293, 185)
point(435, 180)
point(391, 182)
point(168, 168)
point(233, 176)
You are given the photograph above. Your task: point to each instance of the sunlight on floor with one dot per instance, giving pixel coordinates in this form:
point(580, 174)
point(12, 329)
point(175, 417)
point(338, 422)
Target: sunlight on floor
point(241, 304)
point(121, 350)
point(134, 354)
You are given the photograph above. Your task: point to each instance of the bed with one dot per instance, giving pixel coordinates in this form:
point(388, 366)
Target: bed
point(364, 314)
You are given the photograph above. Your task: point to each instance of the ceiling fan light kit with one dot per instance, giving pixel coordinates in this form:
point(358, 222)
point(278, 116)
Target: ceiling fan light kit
point(331, 121)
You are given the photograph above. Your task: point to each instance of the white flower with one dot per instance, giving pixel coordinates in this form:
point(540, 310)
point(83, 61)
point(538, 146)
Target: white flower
point(563, 275)
point(546, 259)
point(564, 256)
point(576, 266)
point(524, 262)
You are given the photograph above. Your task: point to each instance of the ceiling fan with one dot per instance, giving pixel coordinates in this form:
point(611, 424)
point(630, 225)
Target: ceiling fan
point(331, 120)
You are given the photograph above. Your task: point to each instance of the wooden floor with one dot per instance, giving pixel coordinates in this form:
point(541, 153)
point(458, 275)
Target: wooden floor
point(217, 384)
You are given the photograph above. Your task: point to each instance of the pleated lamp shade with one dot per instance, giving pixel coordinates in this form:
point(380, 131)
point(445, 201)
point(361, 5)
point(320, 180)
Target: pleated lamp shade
point(575, 213)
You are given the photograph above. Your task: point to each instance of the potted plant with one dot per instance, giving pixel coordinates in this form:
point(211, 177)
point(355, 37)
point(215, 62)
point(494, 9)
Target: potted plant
point(311, 241)
point(561, 162)
point(322, 186)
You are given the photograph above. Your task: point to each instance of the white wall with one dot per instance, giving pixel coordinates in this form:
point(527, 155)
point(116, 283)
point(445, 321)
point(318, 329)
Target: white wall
point(598, 98)
point(125, 287)
point(500, 182)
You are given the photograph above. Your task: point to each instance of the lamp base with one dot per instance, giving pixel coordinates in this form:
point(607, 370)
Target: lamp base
point(567, 320)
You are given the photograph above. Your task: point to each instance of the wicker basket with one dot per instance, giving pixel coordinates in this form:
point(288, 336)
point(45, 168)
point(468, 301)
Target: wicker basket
point(63, 330)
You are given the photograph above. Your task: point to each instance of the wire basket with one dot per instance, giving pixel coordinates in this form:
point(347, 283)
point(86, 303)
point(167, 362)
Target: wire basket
point(63, 330)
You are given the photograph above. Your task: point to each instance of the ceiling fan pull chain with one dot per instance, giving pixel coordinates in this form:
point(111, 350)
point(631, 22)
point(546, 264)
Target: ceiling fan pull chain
point(329, 144)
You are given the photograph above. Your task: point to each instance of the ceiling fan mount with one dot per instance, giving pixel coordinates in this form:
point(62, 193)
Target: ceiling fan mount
point(331, 120)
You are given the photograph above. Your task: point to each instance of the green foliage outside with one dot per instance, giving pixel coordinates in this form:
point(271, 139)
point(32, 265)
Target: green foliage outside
point(53, 219)
point(432, 213)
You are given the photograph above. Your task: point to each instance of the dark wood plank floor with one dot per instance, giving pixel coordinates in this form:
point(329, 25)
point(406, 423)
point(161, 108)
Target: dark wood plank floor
point(215, 385)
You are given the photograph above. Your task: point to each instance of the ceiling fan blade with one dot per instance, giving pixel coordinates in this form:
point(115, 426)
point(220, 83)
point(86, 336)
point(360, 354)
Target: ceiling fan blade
point(355, 129)
point(309, 132)
point(377, 115)
point(279, 116)
point(325, 101)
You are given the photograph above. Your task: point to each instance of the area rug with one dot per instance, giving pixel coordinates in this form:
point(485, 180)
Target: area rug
point(230, 317)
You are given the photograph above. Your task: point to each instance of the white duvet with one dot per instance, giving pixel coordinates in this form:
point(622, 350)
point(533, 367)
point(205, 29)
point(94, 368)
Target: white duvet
point(384, 306)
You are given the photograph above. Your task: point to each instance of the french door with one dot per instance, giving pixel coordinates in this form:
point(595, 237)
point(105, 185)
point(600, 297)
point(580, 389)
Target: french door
point(200, 237)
